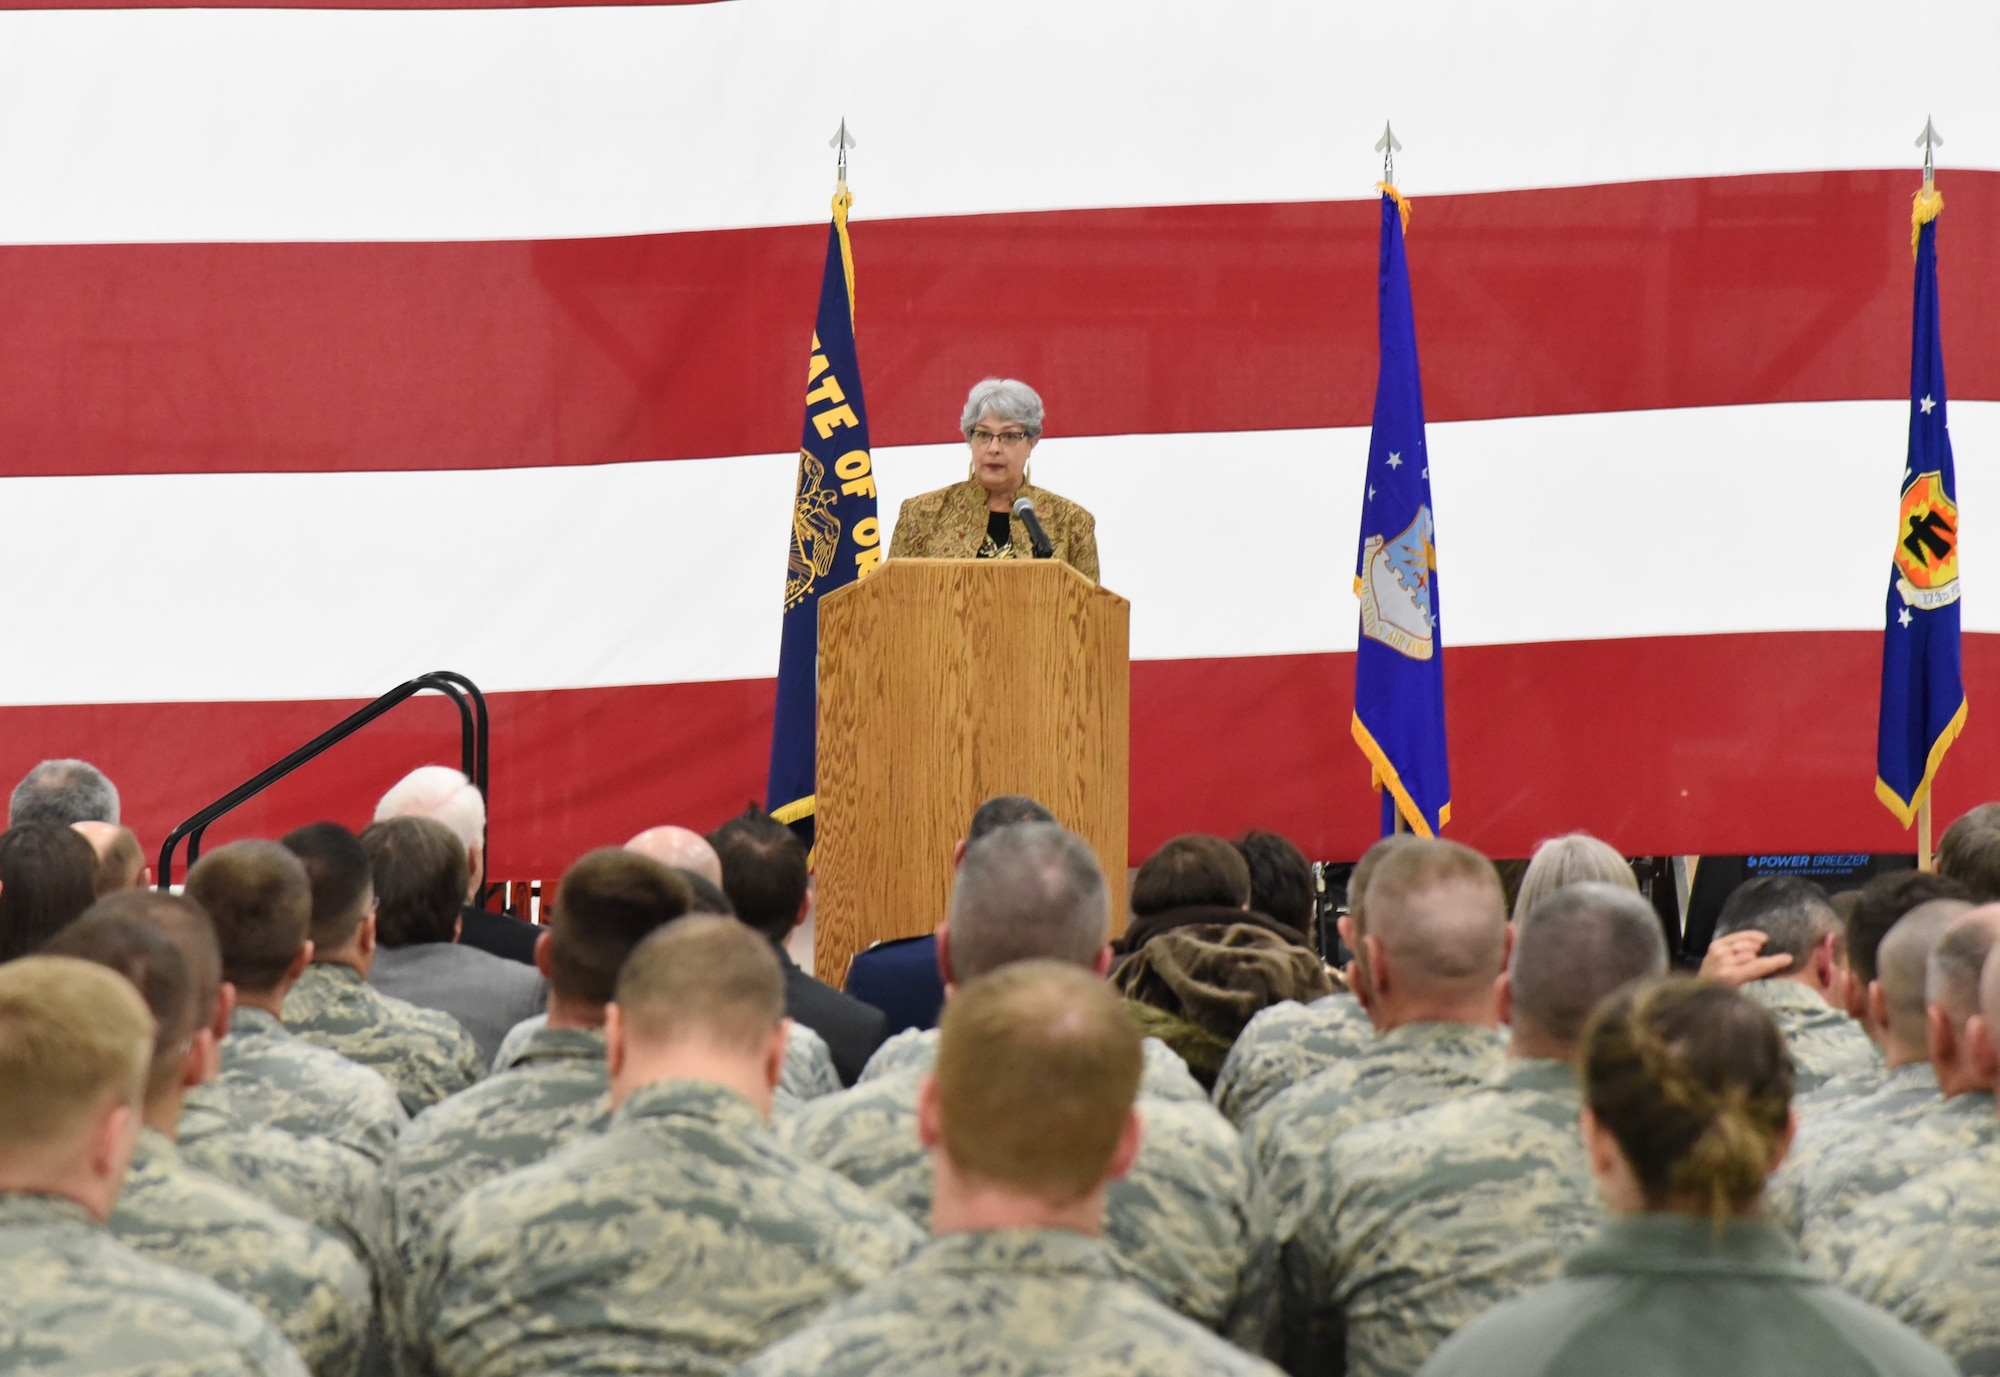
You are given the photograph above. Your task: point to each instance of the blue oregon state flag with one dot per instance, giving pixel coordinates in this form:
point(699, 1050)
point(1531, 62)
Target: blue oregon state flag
point(1399, 666)
point(835, 534)
point(1923, 698)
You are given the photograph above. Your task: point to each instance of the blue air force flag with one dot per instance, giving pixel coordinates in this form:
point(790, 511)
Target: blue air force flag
point(1923, 698)
point(835, 535)
point(1399, 666)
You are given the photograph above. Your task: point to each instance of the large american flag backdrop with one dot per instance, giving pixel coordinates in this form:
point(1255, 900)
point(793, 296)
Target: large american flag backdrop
point(340, 345)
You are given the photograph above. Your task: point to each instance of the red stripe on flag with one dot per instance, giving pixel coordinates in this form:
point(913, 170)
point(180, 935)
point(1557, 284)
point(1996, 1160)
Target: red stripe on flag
point(247, 357)
point(1707, 744)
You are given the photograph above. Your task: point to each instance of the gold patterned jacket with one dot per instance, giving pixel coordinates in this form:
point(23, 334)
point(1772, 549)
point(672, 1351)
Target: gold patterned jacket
point(950, 523)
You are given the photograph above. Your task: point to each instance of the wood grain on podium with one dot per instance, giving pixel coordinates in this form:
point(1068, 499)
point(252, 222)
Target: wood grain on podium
point(943, 683)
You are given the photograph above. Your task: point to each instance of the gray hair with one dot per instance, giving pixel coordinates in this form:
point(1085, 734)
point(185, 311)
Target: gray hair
point(1792, 913)
point(1951, 976)
point(1025, 892)
point(61, 792)
point(1009, 399)
point(440, 792)
point(1571, 860)
point(1577, 946)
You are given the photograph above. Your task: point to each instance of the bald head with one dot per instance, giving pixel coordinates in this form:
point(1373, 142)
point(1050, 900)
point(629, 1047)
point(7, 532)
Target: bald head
point(679, 847)
point(1025, 892)
point(121, 864)
point(1439, 916)
point(1901, 962)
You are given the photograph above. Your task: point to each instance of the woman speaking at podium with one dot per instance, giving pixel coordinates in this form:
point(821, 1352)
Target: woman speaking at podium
point(982, 518)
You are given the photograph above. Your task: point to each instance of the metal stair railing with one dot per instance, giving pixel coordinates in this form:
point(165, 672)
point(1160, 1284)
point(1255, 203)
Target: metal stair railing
point(473, 741)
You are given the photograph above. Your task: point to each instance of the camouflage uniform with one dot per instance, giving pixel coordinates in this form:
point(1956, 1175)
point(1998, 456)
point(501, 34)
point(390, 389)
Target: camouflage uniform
point(1877, 1160)
point(1020, 1301)
point(1180, 1223)
point(77, 1303)
point(1673, 1294)
point(1825, 1043)
point(1926, 1253)
point(1825, 1126)
point(424, 1054)
point(1286, 1044)
point(333, 1188)
point(552, 1089)
point(308, 1285)
point(1406, 1069)
point(683, 1240)
point(271, 1079)
point(808, 1073)
point(1413, 1226)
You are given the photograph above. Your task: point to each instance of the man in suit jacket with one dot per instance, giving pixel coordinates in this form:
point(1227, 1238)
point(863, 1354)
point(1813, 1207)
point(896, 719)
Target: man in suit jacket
point(420, 872)
point(446, 795)
point(764, 874)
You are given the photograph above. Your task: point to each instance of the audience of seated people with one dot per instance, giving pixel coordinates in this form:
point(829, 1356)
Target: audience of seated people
point(261, 1128)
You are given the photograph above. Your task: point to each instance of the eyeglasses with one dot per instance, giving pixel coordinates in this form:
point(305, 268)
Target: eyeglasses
point(1009, 438)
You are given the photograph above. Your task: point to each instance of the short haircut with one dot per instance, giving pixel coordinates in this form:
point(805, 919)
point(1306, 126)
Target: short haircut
point(182, 922)
point(1439, 909)
point(74, 1039)
point(1693, 1080)
point(1004, 811)
point(1026, 892)
point(1190, 870)
point(1969, 852)
point(704, 895)
point(60, 792)
point(1009, 399)
point(343, 881)
point(1038, 1066)
point(1575, 947)
point(763, 871)
point(441, 793)
point(1792, 913)
point(608, 902)
point(1884, 900)
point(1902, 964)
point(1281, 880)
point(703, 979)
point(122, 940)
point(257, 895)
point(420, 878)
point(121, 864)
point(1364, 871)
point(1989, 996)
point(48, 875)
point(1571, 860)
point(1951, 975)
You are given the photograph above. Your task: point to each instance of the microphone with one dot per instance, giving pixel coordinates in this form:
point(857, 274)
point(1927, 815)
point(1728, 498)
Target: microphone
point(1037, 537)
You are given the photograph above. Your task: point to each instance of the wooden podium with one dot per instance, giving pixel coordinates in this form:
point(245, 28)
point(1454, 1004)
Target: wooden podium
point(943, 683)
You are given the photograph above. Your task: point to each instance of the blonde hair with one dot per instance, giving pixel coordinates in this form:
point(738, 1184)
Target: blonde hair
point(1440, 909)
point(1694, 1082)
point(1038, 1067)
point(1573, 859)
point(75, 1038)
point(705, 978)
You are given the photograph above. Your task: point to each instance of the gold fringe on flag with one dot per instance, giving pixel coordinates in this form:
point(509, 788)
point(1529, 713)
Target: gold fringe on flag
point(1924, 208)
point(1402, 203)
point(843, 201)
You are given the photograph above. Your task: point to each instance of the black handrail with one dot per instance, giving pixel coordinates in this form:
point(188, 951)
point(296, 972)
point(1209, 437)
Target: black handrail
point(472, 741)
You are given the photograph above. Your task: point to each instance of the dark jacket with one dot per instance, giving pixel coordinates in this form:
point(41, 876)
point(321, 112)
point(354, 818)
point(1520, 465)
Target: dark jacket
point(852, 1030)
point(498, 933)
